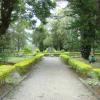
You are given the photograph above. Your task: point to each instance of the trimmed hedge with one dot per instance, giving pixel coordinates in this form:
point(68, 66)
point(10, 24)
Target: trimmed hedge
point(79, 66)
point(52, 54)
point(24, 66)
point(95, 73)
point(5, 70)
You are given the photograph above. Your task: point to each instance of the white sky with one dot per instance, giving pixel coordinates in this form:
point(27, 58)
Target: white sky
point(62, 4)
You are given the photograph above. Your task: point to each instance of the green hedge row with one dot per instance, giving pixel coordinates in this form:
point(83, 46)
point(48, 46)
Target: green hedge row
point(5, 70)
point(81, 67)
point(52, 54)
point(22, 67)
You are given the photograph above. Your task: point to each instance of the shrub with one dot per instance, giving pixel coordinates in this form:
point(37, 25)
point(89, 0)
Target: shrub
point(95, 73)
point(27, 50)
point(65, 58)
point(79, 66)
point(24, 66)
point(5, 70)
point(36, 52)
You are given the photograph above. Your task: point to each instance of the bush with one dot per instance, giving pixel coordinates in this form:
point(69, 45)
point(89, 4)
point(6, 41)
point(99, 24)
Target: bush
point(79, 66)
point(65, 58)
point(27, 50)
point(5, 70)
point(95, 73)
point(36, 52)
point(24, 66)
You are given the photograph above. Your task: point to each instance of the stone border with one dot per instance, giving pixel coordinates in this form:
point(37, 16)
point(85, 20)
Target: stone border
point(89, 88)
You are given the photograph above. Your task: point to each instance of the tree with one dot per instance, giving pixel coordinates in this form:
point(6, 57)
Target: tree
point(6, 9)
point(9, 11)
point(41, 8)
point(18, 36)
point(48, 41)
point(84, 12)
point(39, 35)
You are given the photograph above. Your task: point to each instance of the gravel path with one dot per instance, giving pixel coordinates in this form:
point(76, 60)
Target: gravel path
point(51, 80)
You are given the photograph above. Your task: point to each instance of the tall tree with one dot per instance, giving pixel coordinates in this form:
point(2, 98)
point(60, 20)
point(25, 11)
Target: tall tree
point(6, 9)
point(39, 35)
point(9, 8)
point(85, 12)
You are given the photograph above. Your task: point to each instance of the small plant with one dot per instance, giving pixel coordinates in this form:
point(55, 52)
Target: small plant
point(93, 82)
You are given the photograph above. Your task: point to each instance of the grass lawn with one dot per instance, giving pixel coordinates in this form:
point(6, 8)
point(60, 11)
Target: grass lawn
point(17, 59)
point(14, 59)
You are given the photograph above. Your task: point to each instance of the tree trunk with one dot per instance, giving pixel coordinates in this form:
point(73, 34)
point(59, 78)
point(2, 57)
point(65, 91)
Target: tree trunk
point(7, 7)
point(85, 50)
point(98, 17)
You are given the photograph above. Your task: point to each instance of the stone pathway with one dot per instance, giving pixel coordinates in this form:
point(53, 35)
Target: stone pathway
point(51, 80)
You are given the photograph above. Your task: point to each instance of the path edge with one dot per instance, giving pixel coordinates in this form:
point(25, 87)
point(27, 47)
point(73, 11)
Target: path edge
point(89, 88)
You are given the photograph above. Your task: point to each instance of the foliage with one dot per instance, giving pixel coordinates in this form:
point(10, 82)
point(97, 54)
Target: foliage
point(12, 9)
point(66, 38)
point(17, 35)
point(41, 8)
point(95, 73)
point(78, 66)
point(6, 9)
point(48, 41)
point(24, 66)
point(5, 70)
point(39, 35)
point(36, 51)
point(85, 14)
point(27, 50)
point(81, 67)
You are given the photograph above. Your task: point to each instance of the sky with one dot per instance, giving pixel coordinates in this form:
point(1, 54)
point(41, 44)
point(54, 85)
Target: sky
point(62, 4)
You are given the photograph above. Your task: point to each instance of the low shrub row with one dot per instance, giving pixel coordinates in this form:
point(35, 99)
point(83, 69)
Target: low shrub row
point(24, 66)
point(21, 67)
point(95, 73)
point(5, 70)
point(81, 67)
